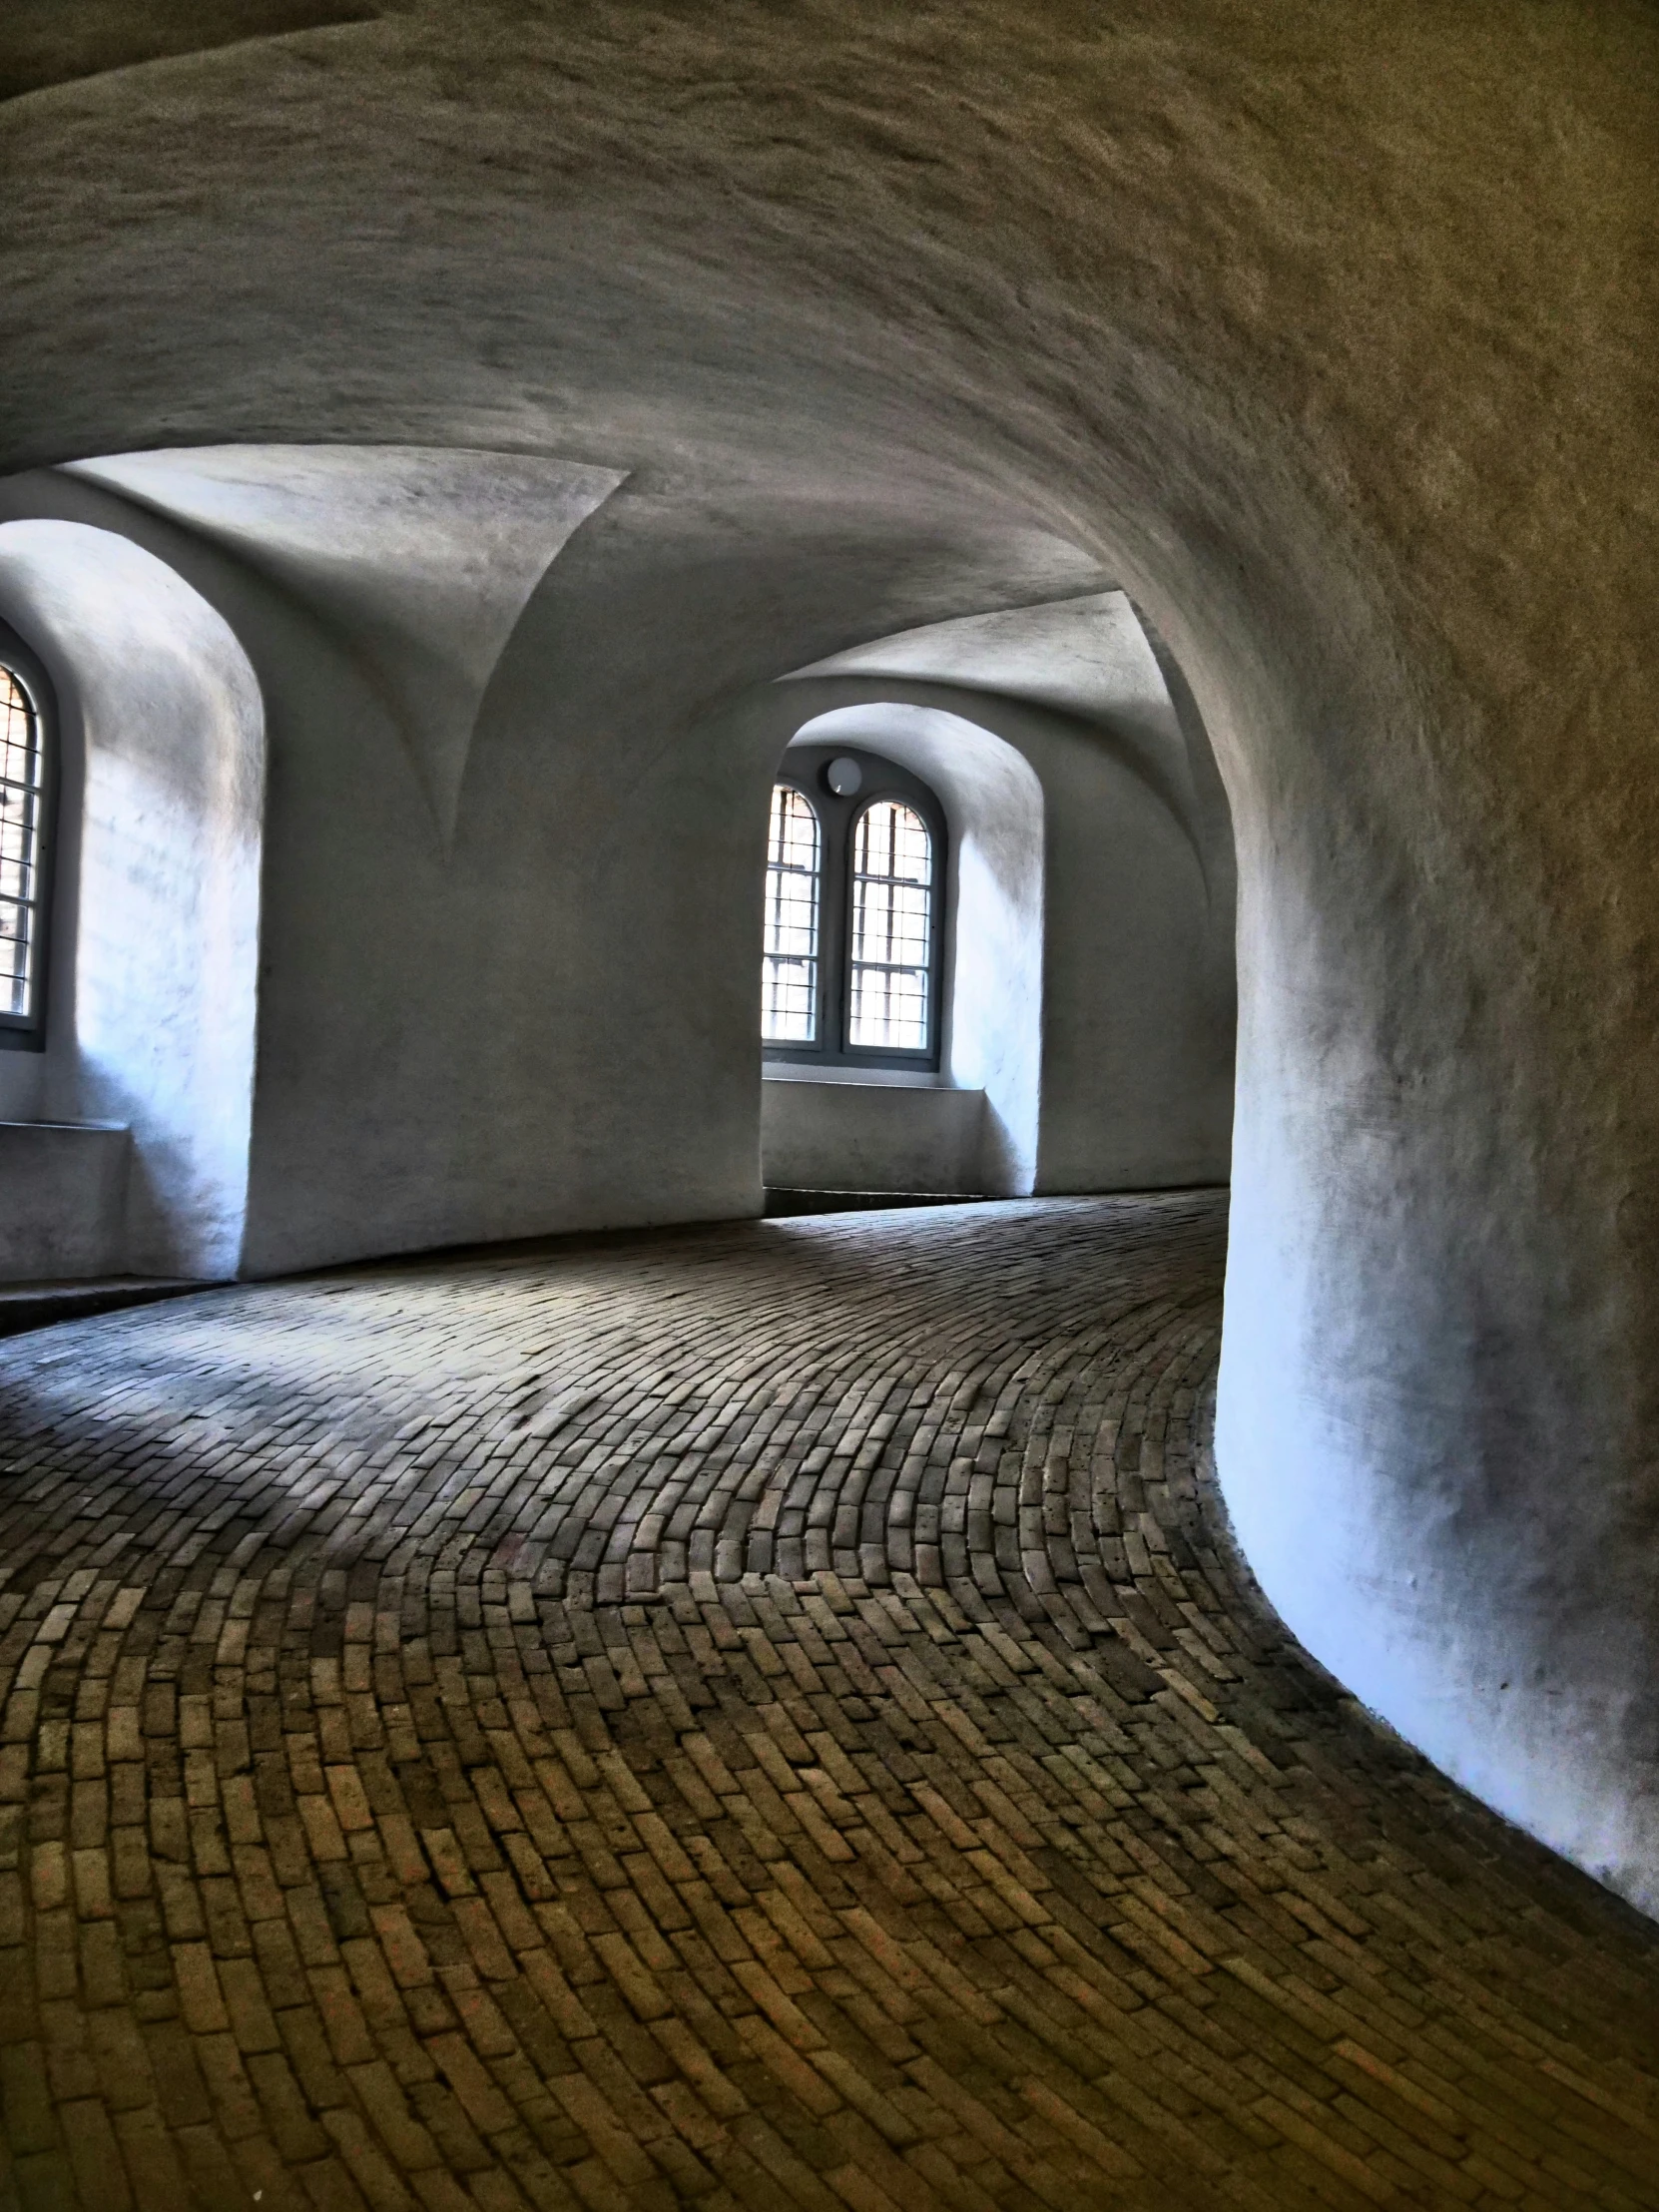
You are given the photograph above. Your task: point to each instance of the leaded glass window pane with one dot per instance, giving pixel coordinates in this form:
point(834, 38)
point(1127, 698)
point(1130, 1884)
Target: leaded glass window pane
point(789, 968)
point(893, 929)
point(22, 778)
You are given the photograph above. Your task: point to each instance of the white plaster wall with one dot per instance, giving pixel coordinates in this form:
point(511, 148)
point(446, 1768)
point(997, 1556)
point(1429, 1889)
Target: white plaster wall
point(1138, 990)
point(22, 1086)
point(851, 1136)
point(1088, 659)
point(548, 1020)
point(417, 560)
point(63, 1200)
point(437, 1011)
point(151, 992)
point(528, 1005)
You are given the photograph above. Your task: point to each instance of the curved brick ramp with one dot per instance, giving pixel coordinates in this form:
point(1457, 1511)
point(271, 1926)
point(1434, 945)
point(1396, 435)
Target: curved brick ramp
point(759, 1717)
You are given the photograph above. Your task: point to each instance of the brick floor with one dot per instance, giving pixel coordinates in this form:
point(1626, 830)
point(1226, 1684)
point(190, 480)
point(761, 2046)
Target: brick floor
point(745, 1718)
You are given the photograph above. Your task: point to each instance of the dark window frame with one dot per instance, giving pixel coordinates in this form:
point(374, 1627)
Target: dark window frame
point(805, 767)
point(27, 1032)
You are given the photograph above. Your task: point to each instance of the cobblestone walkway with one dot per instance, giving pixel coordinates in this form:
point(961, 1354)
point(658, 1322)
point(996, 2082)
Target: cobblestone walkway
point(759, 1717)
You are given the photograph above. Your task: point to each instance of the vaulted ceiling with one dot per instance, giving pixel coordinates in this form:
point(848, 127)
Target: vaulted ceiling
point(1323, 332)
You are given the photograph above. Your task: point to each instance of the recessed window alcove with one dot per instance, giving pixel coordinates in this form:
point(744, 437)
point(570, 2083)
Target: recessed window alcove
point(124, 1131)
point(943, 1099)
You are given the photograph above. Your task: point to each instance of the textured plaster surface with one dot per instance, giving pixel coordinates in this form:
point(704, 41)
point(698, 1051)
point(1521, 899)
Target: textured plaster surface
point(509, 946)
point(871, 1137)
point(1086, 658)
point(63, 1200)
point(150, 1011)
point(50, 42)
point(1327, 333)
point(457, 1043)
point(418, 562)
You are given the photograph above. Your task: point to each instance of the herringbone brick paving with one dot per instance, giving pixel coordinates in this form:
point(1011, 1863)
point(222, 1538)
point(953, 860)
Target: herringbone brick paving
point(754, 1717)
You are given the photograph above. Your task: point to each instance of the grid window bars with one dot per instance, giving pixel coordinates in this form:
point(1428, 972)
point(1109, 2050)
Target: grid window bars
point(893, 923)
point(789, 968)
point(22, 803)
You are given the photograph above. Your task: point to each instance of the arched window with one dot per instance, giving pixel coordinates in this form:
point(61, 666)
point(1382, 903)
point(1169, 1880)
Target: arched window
point(23, 791)
point(789, 969)
point(854, 882)
point(893, 929)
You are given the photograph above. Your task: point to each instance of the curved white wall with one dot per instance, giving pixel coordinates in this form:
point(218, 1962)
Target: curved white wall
point(155, 927)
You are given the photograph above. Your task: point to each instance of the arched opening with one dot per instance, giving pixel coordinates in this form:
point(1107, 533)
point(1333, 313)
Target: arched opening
point(960, 1119)
point(1086, 970)
point(125, 1145)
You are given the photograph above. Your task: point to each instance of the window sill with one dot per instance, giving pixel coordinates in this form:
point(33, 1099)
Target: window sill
point(875, 1079)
